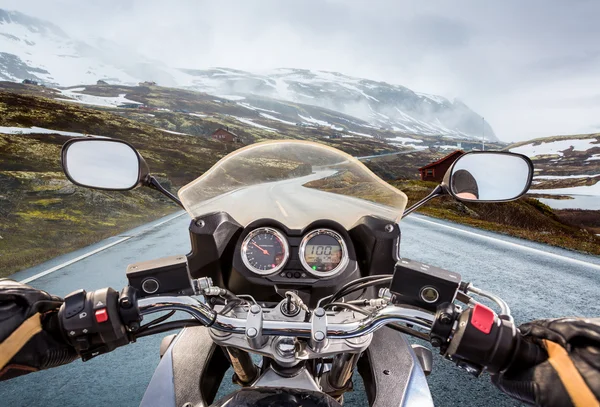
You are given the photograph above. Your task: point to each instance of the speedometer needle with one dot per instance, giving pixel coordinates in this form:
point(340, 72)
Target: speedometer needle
point(261, 249)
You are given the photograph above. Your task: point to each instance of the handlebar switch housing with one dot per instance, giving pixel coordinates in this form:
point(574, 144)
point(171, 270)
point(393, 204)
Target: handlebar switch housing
point(483, 341)
point(129, 309)
point(91, 322)
point(443, 323)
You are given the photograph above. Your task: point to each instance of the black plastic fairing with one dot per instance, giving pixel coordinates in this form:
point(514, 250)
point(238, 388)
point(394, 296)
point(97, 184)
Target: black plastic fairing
point(388, 369)
point(271, 397)
point(216, 239)
point(377, 243)
point(212, 239)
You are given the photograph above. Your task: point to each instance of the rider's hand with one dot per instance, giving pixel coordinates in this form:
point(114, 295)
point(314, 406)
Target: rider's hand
point(571, 374)
point(30, 337)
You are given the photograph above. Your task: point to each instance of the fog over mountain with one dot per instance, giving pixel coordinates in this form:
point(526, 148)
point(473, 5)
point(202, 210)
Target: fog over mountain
point(529, 68)
point(39, 50)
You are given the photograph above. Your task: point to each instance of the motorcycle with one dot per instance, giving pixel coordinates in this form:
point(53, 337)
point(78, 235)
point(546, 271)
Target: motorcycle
point(296, 260)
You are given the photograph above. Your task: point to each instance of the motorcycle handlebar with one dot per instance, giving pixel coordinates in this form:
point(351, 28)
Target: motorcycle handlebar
point(98, 322)
point(207, 317)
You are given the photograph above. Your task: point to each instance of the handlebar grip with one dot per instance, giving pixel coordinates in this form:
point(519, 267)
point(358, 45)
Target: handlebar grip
point(526, 354)
point(483, 340)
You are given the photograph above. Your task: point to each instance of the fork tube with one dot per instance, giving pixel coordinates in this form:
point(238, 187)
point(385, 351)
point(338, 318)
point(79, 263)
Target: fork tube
point(341, 369)
point(242, 364)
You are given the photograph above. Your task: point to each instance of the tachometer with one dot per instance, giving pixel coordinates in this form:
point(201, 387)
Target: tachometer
point(265, 251)
point(323, 252)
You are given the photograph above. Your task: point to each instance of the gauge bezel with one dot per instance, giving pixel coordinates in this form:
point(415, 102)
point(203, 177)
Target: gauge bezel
point(343, 262)
point(258, 231)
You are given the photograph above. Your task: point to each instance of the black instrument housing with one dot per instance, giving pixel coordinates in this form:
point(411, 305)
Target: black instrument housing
point(216, 240)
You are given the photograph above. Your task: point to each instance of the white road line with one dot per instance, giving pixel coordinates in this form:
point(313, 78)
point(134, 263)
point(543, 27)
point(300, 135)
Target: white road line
point(522, 247)
point(98, 250)
point(281, 209)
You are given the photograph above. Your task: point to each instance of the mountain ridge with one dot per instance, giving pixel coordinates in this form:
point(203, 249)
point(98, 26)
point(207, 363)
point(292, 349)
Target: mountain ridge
point(39, 50)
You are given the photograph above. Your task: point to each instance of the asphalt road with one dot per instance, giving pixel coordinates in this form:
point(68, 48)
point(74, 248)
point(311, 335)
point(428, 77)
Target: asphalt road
point(369, 157)
point(537, 281)
point(293, 205)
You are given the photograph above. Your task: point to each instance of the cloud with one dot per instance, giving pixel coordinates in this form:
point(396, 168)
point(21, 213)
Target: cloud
point(519, 64)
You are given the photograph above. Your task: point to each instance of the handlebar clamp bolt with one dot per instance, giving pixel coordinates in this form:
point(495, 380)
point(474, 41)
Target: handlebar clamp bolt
point(255, 309)
point(252, 332)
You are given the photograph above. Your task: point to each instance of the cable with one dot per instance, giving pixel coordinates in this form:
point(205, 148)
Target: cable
point(248, 296)
point(409, 331)
point(167, 326)
point(343, 293)
point(321, 368)
point(347, 306)
point(349, 285)
point(231, 305)
point(156, 321)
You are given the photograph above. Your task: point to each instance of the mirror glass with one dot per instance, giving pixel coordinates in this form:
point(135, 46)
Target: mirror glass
point(107, 164)
point(490, 177)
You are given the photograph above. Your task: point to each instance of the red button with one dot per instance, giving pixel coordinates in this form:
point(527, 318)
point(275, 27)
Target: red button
point(101, 315)
point(482, 318)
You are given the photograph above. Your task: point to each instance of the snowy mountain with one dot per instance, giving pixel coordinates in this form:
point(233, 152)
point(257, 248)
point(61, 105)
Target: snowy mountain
point(392, 107)
point(35, 49)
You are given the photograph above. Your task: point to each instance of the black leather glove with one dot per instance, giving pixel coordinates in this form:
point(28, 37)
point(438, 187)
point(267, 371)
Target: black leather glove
point(30, 336)
point(571, 374)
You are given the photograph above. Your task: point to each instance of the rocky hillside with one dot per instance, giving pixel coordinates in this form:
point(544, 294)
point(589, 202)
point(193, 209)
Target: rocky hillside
point(42, 215)
point(567, 170)
point(38, 50)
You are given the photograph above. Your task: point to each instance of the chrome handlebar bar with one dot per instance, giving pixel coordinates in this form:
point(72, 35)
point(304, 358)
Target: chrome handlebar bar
point(208, 317)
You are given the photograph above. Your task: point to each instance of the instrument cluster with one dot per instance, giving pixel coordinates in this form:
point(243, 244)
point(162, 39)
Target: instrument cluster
point(321, 251)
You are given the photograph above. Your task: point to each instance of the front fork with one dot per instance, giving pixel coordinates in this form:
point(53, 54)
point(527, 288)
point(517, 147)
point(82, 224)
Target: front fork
point(245, 370)
point(335, 382)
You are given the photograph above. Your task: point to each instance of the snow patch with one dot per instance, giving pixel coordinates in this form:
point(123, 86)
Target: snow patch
point(249, 106)
point(251, 123)
point(174, 132)
point(360, 134)
point(41, 130)
point(230, 97)
point(310, 119)
point(104, 101)
point(404, 140)
point(268, 116)
point(564, 176)
point(555, 147)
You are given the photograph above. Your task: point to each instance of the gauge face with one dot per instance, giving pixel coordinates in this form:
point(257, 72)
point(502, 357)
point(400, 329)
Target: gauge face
point(323, 252)
point(265, 251)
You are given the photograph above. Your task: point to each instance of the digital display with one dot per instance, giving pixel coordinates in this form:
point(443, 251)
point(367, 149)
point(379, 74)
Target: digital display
point(323, 253)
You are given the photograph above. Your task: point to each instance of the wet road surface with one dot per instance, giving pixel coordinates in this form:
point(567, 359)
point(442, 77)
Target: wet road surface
point(536, 280)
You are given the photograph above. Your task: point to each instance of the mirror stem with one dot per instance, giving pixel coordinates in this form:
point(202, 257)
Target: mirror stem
point(154, 184)
point(438, 191)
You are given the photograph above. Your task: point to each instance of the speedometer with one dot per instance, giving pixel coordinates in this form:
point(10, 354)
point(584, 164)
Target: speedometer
point(265, 251)
point(323, 252)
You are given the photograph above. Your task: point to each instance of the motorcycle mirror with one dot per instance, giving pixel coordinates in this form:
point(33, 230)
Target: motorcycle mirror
point(103, 163)
point(489, 177)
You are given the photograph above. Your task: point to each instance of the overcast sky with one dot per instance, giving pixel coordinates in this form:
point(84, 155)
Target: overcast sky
point(531, 68)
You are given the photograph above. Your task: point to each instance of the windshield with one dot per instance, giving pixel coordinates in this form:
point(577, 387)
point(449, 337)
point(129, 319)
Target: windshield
point(294, 182)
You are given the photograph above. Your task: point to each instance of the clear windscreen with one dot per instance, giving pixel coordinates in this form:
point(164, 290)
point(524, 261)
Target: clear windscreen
point(294, 182)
